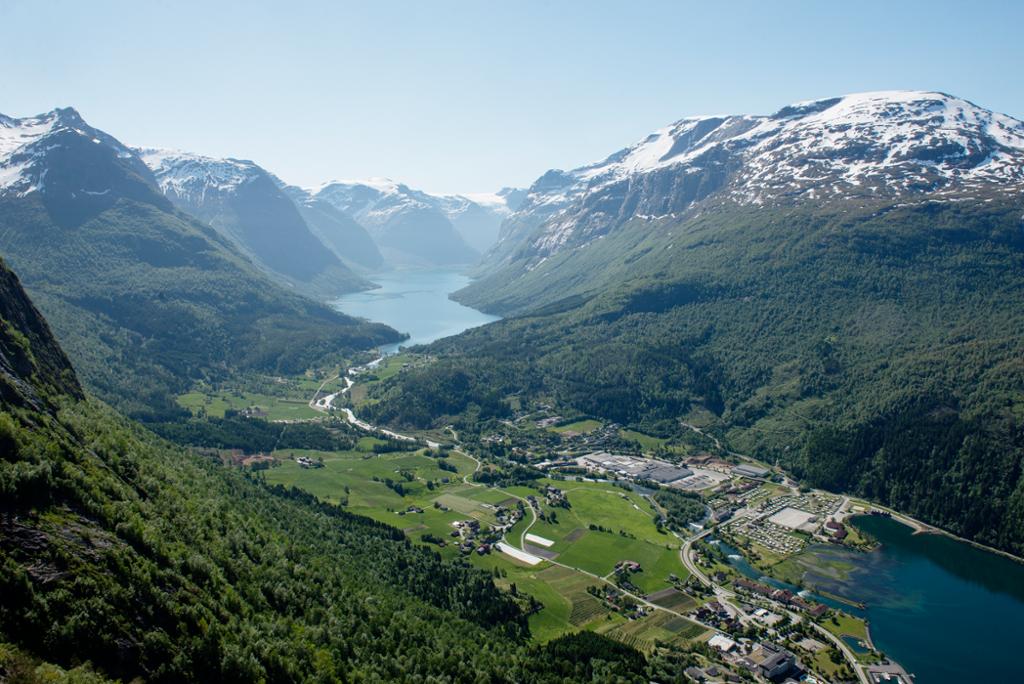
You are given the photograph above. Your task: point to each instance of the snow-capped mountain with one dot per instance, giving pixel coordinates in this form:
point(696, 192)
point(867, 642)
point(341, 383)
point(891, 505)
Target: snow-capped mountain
point(478, 216)
point(893, 144)
point(43, 154)
point(246, 204)
point(194, 179)
point(412, 225)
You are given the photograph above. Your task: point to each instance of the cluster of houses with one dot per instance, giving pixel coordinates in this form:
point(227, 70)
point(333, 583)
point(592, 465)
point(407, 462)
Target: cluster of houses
point(783, 596)
point(252, 412)
point(722, 512)
point(616, 601)
point(627, 566)
point(468, 531)
point(506, 518)
point(715, 613)
point(554, 496)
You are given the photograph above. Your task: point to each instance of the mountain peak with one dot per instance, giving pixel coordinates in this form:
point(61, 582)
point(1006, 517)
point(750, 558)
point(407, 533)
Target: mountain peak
point(890, 144)
point(187, 175)
point(29, 144)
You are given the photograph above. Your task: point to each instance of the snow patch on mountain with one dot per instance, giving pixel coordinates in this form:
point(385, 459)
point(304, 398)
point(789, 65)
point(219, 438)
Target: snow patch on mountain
point(377, 199)
point(15, 133)
point(191, 177)
point(25, 143)
point(887, 143)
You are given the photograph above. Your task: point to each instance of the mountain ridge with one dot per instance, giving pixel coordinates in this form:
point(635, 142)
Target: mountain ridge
point(897, 145)
point(244, 202)
point(418, 226)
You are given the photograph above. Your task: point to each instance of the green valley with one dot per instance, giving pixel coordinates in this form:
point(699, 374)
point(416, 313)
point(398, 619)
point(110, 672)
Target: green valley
point(741, 401)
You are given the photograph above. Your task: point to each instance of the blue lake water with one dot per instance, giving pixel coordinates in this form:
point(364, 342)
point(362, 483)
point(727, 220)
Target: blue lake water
point(415, 302)
point(947, 611)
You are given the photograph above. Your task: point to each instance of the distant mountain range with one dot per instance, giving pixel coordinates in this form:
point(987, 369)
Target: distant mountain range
point(305, 236)
point(415, 227)
point(145, 297)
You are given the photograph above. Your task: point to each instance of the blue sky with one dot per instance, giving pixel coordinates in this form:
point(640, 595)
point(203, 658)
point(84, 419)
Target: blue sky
point(468, 97)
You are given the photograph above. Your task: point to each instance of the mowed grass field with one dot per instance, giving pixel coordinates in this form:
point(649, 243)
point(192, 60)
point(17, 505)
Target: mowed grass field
point(390, 366)
point(580, 426)
point(276, 408)
point(596, 551)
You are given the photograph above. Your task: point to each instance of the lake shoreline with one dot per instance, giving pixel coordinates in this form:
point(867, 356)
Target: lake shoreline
point(416, 302)
point(923, 528)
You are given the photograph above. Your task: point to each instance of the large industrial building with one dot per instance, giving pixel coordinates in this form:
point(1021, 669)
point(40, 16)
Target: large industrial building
point(635, 468)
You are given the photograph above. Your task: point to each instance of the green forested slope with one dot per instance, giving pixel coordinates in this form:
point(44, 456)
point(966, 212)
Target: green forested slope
point(146, 301)
point(875, 350)
point(148, 562)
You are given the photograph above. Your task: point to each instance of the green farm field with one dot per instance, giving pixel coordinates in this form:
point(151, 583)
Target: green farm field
point(276, 408)
point(588, 425)
point(562, 591)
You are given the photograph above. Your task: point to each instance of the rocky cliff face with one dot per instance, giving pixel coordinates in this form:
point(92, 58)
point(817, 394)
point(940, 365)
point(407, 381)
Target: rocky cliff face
point(33, 368)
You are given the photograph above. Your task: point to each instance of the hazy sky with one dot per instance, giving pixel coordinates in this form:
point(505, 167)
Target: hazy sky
point(468, 97)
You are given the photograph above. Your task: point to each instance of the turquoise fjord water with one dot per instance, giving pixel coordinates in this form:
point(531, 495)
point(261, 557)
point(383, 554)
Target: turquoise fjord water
point(947, 611)
point(415, 302)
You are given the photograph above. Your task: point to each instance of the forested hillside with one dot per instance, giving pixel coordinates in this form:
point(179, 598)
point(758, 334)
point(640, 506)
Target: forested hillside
point(124, 557)
point(874, 351)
